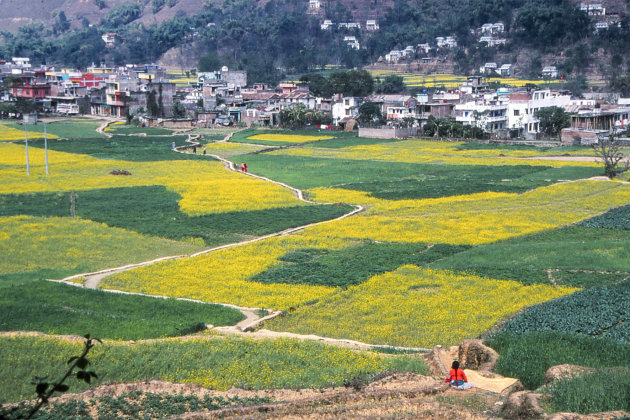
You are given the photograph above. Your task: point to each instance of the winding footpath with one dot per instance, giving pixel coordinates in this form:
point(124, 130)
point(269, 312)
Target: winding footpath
point(246, 327)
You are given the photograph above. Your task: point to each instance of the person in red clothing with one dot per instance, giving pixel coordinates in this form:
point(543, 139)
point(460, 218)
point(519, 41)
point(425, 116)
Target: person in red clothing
point(458, 378)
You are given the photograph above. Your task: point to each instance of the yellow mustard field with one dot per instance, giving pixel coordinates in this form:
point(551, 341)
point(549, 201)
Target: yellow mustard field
point(473, 219)
point(221, 276)
point(11, 134)
point(28, 244)
point(205, 187)
point(436, 152)
point(416, 307)
point(291, 138)
point(448, 80)
point(227, 150)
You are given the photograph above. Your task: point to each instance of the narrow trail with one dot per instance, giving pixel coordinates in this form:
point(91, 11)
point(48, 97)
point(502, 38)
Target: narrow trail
point(252, 315)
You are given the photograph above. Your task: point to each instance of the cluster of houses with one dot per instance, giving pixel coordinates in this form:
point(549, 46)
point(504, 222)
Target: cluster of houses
point(225, 97)
point(409, 52)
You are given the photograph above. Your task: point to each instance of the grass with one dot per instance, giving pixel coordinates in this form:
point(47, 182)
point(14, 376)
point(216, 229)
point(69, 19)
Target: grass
point(137, 405)
point(398, 180)
point(498, 146)
point(68, 129)
point(349, 266)
point(51, 247)
point(154, 210)
point(579, 256)
point(604, 390)
point(349, 141)
point(125, 129)
point(244, 135)
point(528, 356)
point(127, 148)
point(56, 308)
point(215, 363)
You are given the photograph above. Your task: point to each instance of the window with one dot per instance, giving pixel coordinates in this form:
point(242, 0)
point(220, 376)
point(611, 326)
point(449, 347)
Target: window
point(517, 112)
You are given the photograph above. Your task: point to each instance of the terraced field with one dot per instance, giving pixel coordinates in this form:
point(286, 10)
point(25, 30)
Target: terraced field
point(452, 239)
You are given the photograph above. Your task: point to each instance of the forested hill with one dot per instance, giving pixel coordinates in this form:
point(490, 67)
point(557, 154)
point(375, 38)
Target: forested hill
point(272, 37)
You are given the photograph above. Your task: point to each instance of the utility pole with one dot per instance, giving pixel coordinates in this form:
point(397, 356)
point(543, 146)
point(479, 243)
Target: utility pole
point(28, 169)
point(46, 148)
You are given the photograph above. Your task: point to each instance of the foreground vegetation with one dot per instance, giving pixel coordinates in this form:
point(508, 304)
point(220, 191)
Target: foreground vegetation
point(137, 405)
point(453, 239)
point(215, 363)
point(55, 308)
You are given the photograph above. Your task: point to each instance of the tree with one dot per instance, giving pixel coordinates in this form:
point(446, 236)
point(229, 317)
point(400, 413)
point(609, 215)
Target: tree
point(178, 109)
point(553, 119)
point(392, 83)
point(318, 85)
point(370, 114)
point(61, 24)
point(209, 62)
point(609, 149)
point(152, 106)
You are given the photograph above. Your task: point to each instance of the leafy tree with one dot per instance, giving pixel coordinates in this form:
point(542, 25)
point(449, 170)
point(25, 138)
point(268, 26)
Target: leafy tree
point(101, 4)
point(370, 114)
point(299, 116)
point(622, 84)
point(352, 82)
point(84, 105)
point(318, 84)
point(553, 119)
point(61, 23)
point(152, 106)
point(121, 15)
point(392, 83)
point(178, 109)
point(209, 62)
point(157, 5)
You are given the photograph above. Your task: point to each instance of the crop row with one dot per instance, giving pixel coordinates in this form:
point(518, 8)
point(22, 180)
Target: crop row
point(216, 363)
point(599, 311)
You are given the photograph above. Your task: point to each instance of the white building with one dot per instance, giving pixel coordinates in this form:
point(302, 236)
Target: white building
point(314, 4)
point(346, 107)
point(327, 24)
point(393, 56)
point(505, 70)
point(352, 42)
point(549, 72)
point(593, 9)
point(523, 107)
point(489, 116)
point(424, 48)
point(371, 25)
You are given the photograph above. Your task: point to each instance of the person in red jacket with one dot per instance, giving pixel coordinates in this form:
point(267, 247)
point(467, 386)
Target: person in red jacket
point(458, 378)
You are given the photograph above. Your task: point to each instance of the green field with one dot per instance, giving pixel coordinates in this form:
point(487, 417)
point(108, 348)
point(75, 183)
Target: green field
point(66, 129)
point(125, 129)
point(577, 256)
point(56, 308)
point(135, 149)
point(154, 210)
point(399, 181)
point(350, 266)
point(53, 247)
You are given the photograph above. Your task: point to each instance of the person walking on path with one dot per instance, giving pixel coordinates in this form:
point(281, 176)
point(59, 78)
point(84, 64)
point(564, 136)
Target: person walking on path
point(458, 378)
